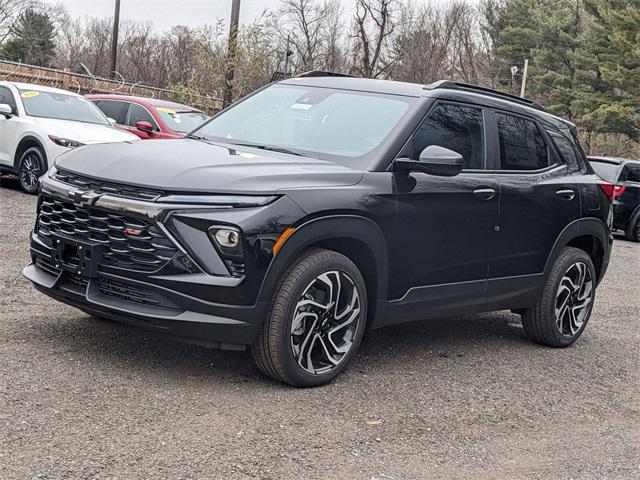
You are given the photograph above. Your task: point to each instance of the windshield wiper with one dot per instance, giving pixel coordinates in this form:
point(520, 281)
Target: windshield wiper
point(269, 148)
point(195, 137)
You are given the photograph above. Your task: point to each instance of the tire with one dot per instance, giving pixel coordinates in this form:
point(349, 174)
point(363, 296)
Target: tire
point(329, 322)
point(633, 230)
point(30, 168)
point(562, 313)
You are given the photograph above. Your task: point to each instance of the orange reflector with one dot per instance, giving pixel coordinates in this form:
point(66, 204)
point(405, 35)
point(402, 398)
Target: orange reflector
point(283, 238)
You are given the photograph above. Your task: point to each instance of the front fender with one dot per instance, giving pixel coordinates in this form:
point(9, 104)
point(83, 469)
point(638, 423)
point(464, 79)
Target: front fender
point(353, 227)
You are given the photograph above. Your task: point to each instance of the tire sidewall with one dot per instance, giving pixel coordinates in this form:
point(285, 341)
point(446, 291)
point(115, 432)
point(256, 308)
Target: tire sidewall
point(294, 372)
point(30, 151)
point(565, 261)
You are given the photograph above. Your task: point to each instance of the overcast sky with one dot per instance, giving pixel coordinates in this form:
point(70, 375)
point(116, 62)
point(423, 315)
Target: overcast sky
point(166, 13)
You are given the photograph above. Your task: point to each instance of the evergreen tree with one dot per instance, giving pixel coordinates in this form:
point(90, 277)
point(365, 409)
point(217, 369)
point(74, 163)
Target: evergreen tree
point(33, 39)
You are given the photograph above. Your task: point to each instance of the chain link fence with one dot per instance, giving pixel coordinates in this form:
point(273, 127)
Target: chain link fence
point(87, 83)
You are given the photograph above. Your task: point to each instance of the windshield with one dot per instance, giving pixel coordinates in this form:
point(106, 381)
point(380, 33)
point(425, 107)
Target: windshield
point(181, 121)
point(340, 125)
point(61, 106)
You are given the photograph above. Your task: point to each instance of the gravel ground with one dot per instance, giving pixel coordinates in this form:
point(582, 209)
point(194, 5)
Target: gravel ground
point(458, 398)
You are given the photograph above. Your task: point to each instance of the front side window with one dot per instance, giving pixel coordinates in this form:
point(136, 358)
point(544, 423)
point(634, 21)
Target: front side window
point(456, 127)
point(60, 106)
point(521, 144)
point(340, 125)
point(6, 96)
point(137, 113)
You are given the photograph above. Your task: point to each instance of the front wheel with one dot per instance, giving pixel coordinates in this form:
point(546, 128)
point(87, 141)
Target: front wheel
point(30, 168)
point(316, 322)
point(562, 313)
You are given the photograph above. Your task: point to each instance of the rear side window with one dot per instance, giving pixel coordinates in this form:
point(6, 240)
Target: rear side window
point(456, 127)
point(521, 144)
point(606, 171)
point(634, 174)
point(114, 109)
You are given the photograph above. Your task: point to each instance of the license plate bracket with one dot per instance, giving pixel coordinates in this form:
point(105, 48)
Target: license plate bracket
point(77, 256)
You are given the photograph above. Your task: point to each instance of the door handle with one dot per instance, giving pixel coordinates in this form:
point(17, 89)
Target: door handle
point(484, 193)
point(566, 194)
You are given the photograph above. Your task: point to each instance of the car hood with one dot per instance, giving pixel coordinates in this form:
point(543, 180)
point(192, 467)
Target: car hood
point(197, 166)
point(87, 133)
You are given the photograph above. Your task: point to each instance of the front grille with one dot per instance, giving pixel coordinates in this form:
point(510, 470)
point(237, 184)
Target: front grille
point(99, 186)
point(146, 251)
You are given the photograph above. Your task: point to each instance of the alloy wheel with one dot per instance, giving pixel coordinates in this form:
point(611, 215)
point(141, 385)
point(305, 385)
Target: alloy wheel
point(325, 322)
point(574, 299)
point(30, 171)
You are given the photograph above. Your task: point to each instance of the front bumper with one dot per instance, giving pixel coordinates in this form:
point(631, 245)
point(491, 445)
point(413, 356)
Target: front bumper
point(188, 296)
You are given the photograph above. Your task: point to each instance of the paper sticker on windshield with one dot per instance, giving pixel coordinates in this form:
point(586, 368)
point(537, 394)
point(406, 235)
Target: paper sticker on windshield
point(29, 94)
point(167, 110)
point(301, 106)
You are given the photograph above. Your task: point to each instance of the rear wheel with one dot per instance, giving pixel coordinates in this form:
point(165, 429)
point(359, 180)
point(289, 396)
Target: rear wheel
point(562, 313)
point(633, 230)
point(316, 323)
point(30, 168)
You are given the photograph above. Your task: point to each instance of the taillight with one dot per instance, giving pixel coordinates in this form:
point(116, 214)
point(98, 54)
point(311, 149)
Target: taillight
point(611, 190)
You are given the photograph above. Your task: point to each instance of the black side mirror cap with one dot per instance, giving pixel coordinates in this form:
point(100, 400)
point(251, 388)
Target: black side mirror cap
point(434, 160)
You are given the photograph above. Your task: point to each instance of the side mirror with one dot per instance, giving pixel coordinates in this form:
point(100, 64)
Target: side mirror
point(112, 121)
point(144, 126)
point(6, 110)
point(434, 160)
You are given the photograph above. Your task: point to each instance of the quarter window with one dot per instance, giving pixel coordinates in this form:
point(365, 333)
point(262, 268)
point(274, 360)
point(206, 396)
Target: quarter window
point(521, 144)
point(456, 127)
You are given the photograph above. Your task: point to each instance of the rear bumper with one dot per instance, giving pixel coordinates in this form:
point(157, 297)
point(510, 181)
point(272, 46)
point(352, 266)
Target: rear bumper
point(152, 307)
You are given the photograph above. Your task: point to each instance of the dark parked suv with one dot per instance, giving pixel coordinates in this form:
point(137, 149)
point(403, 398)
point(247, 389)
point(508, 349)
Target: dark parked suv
point(321, 206)
point(625, 174)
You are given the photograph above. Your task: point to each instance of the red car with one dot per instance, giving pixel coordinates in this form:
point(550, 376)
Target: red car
point(149, 118)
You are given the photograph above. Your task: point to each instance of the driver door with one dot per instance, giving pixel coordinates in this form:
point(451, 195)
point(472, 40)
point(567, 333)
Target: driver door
point(8, 128)
point(446, 225)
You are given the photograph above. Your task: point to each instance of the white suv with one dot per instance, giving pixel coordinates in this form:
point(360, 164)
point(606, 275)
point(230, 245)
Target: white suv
point(39, 123)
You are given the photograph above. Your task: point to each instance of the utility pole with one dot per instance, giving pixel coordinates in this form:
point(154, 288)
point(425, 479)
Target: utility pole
point(114, 39)
point(524, 77)
point(232, 50)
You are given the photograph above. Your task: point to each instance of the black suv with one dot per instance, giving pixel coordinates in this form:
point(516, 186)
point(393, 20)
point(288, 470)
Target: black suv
point(321, 206)
point(625, 175)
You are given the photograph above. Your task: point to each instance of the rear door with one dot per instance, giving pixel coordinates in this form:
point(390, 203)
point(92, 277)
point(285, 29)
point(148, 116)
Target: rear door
point(539, 198)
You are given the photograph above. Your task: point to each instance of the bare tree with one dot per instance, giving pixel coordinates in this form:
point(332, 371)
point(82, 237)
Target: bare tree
point(374, 26)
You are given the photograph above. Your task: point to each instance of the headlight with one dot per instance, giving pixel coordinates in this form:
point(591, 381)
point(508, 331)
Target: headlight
point(65, 142)
point(219, 200)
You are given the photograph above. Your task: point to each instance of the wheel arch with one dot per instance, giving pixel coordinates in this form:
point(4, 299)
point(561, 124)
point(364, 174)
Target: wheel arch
point(589, 234)
point(358, 238)
point(24, 144)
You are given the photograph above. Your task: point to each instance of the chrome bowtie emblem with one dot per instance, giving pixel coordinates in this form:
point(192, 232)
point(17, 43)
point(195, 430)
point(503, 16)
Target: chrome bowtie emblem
point(83, 199)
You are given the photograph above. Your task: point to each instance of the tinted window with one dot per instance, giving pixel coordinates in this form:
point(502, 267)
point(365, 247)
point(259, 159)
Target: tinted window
point(634, 174)
point(606, 171)
point(138, 113)
point(47, 104)
point(340, 125)
point(455, 127)
point(567, 150)
point(115, 110)
point(6, 96)
point(521, 144)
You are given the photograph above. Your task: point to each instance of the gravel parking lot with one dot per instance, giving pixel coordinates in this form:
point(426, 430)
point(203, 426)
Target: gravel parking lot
point(467, 397)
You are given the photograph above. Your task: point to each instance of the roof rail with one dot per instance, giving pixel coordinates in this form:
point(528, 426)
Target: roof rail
point(451, 85)
point(323, 73)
